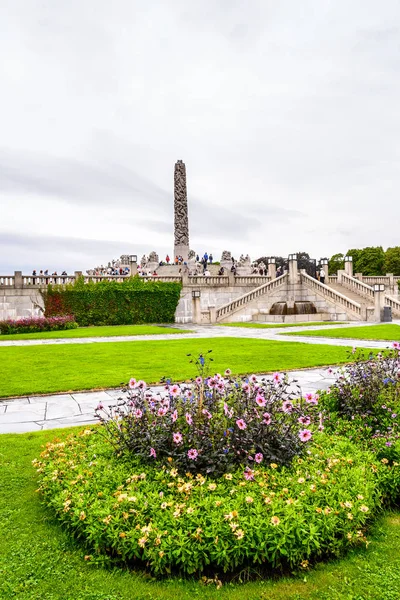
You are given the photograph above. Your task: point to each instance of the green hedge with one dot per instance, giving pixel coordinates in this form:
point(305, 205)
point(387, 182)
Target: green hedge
point(132, 301)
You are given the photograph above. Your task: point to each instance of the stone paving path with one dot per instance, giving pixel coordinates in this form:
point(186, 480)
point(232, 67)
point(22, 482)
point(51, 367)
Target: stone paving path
point(34, 413)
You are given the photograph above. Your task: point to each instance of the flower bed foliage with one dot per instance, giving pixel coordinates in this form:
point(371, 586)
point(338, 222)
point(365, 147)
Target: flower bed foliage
point(280, 517)
point(212, 424)
point(132, 301)
point(37, 324)
point(221, 474)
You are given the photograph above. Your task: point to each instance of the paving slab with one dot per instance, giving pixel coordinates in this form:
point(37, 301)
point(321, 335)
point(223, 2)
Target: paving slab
point(21, 417)
point(59, 398)
point(19, 427)
point(59, 411)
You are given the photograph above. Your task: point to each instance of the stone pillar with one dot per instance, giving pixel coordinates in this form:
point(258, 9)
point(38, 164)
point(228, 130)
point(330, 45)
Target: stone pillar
point(213, 313)
point(359, 276)
point(181, 223)
point(231, 278)
point(293, 272)
point(196, 309)
point(348, 265)
point(133, 268)
point(379, 302)
point(272, 268)
point(18, 283)
point(77, 274)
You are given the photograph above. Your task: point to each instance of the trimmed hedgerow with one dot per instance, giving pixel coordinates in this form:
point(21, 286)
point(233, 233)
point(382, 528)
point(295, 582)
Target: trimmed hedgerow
point(282, 517)
point(132, 301)
point(37, 324)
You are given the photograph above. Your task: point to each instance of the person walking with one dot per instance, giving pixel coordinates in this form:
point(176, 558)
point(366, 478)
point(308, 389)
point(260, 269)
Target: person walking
point(322, 275)
point(167, 259)
point(210, 258)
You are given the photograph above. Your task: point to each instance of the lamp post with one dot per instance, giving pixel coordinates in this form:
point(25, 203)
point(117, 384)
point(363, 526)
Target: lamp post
point(196, 306)
point(133, 264)
point(293, 274)
point(272, 267)
point(348, 265)
point(379, 290)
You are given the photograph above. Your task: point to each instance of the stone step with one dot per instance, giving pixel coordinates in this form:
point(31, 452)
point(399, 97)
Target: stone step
point(352, 295)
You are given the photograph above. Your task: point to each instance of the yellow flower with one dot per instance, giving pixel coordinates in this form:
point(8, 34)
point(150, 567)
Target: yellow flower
point(228, 476)
point(273, 466)
point(364, 508)
point(157, 541)
point(304, 564)
point(142, 541)
point(249, 499)
point(318, 510)
point(173, 472)
point(122, 534)
point(107, 520)
point(275, 521)
point(327, 510)
point(164, 505)
point(301, 480)
point(212, 486)
point(190, 510)
point(290, 501)
point(350, 516)
point(360, 497)
point(285, 491)
point(125, 515)
point(349, 536)
point(82, 516)
point(384, 461)
point(239, 534)
point(169, 459)
point(218, 503)
point(313, 487)
point(161, 554)
point(348, 504)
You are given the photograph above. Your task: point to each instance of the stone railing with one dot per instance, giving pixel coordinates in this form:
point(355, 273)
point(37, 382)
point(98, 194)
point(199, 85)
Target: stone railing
point(331, 294)
point(393, 303)
point(332, 279)
point(201, 280)
point(231, 307)
point(376, 279)
point(256, 280)
point(7, 281)
point(357, 286)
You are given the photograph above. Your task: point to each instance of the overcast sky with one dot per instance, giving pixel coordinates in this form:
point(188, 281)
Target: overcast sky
point(286, 115)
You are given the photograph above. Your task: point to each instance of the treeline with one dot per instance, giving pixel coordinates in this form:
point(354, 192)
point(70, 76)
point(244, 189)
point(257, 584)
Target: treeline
point(372, 260)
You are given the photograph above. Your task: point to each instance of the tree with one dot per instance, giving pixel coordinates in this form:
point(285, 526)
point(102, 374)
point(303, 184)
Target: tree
point(336, 263)
point(392, 261)
point(368, 261)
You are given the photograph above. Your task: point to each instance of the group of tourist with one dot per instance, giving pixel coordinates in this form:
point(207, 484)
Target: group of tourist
point(45, 277)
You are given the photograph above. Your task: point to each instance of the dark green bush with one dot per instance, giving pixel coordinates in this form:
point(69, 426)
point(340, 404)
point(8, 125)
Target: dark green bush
point(132, 301)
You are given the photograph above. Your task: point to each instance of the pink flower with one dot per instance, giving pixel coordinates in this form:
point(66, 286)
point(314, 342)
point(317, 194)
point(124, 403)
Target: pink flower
point(153, 453)
point(253, 378)
point(199, 380)
point(220, 387)
point(177, 437)
point(188, 418)
point(241, 424)
point(261, 401)
point(189, 393)
point(141, 385)
point(305, 435)
point(267, 418)
point(212, 383)
point(312, 399)
point(277, 378)
point(245, 387)
point(161, 412)
point(174, 416)
point(132, 383)
point(207, 413)
point(396, 345)
point(249, 474)
point(258, 457)
point(174, 390)
point(226, 408)
point(138, 413)
point(287, 406)
point(330, 371)
point(192, 454)
point(228, 372)
point(99, 406)
point(304, 420)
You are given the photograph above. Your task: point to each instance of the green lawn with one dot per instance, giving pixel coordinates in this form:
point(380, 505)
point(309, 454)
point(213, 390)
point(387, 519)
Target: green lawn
point(389, 333)
point(275, 325)
point(39, 561)
point(87, 332)
point(26, 370)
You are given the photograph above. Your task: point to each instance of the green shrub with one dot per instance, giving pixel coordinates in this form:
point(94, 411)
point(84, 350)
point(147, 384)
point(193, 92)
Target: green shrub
point(282, 517)
point(132, 301)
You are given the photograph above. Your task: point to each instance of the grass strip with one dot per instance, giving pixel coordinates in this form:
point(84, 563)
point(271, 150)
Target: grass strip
point(389, 333)
point(281, 325)
point(39, 560)
point(97, 331)
point(28, 370)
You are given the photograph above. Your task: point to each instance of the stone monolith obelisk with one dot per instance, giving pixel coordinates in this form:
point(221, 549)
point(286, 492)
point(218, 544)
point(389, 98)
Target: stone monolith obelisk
point(181, 223)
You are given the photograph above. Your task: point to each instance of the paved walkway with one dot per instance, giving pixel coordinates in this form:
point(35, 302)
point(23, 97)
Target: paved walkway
point(35, 413)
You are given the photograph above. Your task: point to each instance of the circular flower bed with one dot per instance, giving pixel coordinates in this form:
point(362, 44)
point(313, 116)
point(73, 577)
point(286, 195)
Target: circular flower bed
point(277, 516)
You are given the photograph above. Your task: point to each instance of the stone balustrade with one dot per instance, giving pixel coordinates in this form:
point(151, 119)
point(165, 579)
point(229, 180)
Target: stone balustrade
point(227, 309)
point(331, 294)
point(361, 288)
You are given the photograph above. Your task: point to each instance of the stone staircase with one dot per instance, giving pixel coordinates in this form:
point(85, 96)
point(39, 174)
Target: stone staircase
point(352, 295)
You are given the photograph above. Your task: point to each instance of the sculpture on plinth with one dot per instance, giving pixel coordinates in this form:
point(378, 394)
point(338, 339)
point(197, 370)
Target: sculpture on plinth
point(181, 222)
